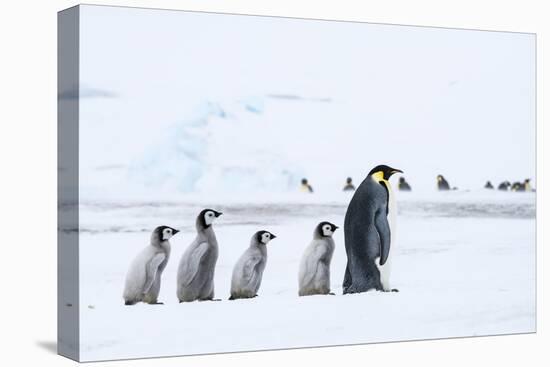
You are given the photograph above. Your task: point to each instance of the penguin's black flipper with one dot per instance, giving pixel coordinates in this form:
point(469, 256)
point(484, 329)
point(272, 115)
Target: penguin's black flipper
point(383, 228)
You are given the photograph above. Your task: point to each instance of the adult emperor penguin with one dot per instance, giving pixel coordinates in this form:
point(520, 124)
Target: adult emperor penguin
point(248, 272)
point(442, 184)
point(143, 277)
point(403, 185)
point(369, 231)
point(196, 268)
point(314, 273)
point(504, 186)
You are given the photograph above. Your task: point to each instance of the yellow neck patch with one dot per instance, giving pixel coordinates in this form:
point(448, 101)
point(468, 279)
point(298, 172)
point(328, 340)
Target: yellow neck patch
point(379, 176)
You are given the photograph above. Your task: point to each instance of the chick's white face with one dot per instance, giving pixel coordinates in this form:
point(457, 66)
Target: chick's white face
point(209, 217)
point(167, 233)
point(327, 230)
point(266, 237)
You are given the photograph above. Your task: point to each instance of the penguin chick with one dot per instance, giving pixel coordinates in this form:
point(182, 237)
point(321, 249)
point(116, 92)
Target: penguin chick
point(195, 279)
point(248, 272)
point(314, 273)
point(144, 274)
point(489, 185)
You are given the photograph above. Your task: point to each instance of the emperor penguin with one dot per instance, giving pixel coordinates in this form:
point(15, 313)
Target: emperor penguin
point(369, 232)
point(349, 186)
point(517, 186)
point(504, 186)
point(489, 185)
point(305, 186)
point(144, 274)
point(249, 269)
point(195, 279)
point(442, 184)
point(527, 185)
point(403, 185)
point(314, 273)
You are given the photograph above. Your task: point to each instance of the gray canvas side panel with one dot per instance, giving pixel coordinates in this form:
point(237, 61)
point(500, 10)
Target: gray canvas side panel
point(67, 184)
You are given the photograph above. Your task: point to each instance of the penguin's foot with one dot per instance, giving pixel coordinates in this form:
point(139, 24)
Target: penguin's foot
point(129, 303)
point(390, 290)
point(331, 294)
point(395, 290)
point(156, 303)
point(210, 299)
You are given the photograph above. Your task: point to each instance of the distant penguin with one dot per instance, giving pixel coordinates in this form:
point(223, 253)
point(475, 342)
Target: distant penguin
point(144, 274)
point(504, 186)
point(248, 272)
point(305, 186)
point(195, 279)
point(369, 230)
point(527, 184)
point(403, 185)
point(314, 273)
point(518, 186)
point(522, 186)
point(442, 184)
point(349, 186)
point(489, 185)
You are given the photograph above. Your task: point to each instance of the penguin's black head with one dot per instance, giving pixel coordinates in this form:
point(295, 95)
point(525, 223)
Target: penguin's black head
point(402, 179)
point(384, 171)
point(164, 233)
point(264, 237)
point(207, 216)
point(304, 181)
point(325, 229)
point(348, 180)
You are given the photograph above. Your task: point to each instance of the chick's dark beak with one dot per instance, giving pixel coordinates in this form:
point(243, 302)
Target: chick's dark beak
point(217, 214)
point(175, 231)
point(273, 236)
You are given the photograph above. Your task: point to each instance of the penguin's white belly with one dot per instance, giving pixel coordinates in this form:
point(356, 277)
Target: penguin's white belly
point(385, 270)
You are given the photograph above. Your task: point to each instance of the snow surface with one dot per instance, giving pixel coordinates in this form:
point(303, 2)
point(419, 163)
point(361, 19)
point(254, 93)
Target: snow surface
point(464, 264)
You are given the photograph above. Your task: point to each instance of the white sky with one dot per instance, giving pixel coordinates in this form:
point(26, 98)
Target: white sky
point(427, 100)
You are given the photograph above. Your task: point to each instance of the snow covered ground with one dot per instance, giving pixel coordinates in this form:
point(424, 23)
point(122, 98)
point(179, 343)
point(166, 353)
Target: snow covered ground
point(464, 264)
